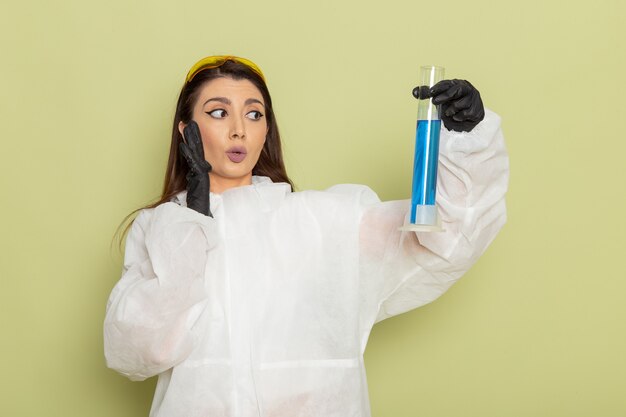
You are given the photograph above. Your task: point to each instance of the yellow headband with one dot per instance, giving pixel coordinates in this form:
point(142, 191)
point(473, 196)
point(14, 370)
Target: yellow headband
point(216, 61)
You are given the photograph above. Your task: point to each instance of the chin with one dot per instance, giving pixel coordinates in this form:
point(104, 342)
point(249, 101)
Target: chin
point(233, 175)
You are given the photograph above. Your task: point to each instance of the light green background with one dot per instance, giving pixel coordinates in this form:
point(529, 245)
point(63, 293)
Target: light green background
point(536, 328)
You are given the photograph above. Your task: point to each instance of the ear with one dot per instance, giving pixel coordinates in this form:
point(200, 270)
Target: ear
point(181, 128)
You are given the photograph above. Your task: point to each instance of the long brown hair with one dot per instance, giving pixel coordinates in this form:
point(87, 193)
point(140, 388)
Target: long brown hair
point(270, 163)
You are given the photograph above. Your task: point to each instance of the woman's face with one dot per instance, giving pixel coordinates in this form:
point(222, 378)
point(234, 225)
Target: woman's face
point(231, 117)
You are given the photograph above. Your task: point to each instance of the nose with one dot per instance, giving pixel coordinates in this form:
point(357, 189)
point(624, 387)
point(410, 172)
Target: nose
point(237, 128)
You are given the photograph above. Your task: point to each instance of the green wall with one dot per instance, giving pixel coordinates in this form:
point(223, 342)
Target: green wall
point(536, 328)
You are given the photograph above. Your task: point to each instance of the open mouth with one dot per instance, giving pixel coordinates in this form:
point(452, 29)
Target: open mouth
point(236, 154)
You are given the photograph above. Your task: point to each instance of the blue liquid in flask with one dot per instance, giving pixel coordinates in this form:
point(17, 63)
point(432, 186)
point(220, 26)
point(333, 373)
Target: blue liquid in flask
point(425, 167)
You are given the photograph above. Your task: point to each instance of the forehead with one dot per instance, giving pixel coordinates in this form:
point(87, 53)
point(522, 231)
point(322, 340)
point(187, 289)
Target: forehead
point(232, 89)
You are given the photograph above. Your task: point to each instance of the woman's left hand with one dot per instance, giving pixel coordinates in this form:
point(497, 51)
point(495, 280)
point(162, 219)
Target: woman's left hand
point(461, 106)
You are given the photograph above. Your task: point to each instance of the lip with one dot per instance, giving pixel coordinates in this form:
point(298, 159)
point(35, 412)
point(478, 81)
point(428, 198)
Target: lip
point(236, 154)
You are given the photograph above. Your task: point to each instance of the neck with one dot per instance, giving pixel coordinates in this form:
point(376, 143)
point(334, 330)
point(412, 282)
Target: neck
point(220, 184)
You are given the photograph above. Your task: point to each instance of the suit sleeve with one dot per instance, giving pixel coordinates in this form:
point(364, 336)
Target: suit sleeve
point(153, 313)
point(405, 270)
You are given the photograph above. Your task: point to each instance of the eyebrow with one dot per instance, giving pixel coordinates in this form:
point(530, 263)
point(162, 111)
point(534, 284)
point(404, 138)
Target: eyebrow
point(227, 101)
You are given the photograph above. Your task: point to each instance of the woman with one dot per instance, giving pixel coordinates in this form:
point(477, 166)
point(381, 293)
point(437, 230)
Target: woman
point(248, 299)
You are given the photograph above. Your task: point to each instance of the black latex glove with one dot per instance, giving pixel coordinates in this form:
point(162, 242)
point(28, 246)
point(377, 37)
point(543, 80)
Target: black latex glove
point(461, 106)
point(198, 183)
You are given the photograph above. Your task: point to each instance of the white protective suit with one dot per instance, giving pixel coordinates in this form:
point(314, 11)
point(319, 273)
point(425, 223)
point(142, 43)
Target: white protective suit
point(265, 309)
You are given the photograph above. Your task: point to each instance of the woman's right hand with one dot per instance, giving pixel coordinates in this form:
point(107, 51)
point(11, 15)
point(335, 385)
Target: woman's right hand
point(198, 183)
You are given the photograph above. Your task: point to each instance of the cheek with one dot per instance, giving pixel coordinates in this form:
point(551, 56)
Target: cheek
point(260, 134)
point(209, 139)
point(260, 142)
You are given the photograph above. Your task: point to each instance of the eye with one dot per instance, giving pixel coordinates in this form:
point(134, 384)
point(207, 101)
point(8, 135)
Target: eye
point(254, 115)
point(217, 113)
